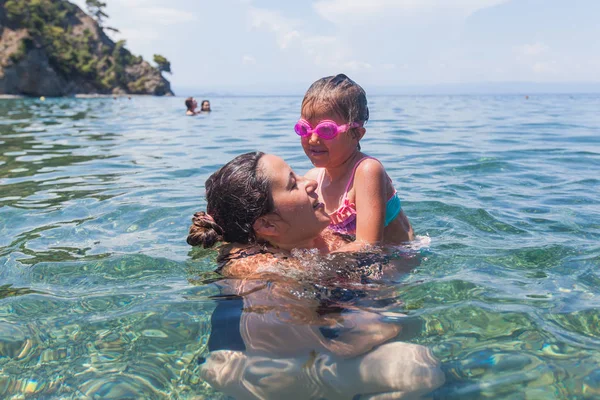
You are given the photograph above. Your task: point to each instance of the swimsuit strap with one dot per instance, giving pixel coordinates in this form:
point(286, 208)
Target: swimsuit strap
point(320, 177)
point(352, 176)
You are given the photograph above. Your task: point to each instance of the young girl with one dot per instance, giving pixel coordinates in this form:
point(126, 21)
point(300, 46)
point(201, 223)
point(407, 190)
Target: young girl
point(358, 194)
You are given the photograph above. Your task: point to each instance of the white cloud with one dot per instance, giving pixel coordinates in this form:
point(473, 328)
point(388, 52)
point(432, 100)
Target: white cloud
point(338, 50)
point(166, 16)
point(545, 68)
point(375, 41)
point(142, 11)
point(355, 65)
point(324, 51)
point(248, 60)
point(122, 4)
point(134, 34)
point(534, 49)
point(535, 57)
point(282, 27)
point(341, 11)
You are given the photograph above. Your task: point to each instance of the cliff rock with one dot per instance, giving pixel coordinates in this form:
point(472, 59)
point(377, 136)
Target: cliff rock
point(53, 48)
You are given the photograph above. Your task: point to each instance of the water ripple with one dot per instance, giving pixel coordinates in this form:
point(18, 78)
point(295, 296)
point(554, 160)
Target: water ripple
point(101, 297)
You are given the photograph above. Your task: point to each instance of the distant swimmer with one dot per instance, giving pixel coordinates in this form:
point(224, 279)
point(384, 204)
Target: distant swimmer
point(205, 107)
point(191, 105)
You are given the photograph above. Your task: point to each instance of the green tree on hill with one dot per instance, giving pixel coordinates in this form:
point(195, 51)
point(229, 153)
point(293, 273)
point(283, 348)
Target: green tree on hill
point(81, 55)
point(164, 65)
point(96, 10)
point(46, 22)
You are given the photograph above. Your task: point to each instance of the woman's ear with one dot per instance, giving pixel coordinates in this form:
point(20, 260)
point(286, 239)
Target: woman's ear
point(265, 228)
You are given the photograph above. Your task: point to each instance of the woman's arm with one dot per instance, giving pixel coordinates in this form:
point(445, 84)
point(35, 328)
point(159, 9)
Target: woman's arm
point(361, 331)
point(279, 323)
point(276, 321)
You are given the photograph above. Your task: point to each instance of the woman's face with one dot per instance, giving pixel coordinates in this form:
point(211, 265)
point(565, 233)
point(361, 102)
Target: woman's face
point(205, 106)
point(299, 215)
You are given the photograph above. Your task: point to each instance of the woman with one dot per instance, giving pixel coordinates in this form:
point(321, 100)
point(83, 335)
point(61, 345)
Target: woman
point(288, 348)
point(269, 344)
point(205, 106)
point(264, 210)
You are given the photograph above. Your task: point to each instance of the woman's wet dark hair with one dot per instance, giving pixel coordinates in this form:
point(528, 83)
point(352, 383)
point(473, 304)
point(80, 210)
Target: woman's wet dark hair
point(189, 102)
point(237, 195)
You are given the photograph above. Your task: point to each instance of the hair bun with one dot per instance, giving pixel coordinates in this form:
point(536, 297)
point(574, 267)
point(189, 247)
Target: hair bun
point(204, 231)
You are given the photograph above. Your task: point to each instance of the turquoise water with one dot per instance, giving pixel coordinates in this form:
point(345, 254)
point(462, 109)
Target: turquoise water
point(101, 297)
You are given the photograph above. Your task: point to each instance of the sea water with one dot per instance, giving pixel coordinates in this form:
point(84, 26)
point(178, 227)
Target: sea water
point(100, 296)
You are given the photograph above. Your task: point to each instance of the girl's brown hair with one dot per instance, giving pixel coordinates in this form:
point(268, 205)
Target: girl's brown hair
point(336, 94)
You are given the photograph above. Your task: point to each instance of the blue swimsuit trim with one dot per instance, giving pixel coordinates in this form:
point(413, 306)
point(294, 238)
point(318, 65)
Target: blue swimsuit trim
point(392, 209)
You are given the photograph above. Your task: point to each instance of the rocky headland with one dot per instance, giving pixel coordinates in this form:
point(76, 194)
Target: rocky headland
point(53, 48)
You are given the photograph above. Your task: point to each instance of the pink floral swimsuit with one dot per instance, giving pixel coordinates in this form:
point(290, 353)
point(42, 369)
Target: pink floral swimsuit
point(343, 220)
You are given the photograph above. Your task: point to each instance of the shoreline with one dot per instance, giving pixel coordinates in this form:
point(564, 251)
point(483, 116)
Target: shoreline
point(76, 96)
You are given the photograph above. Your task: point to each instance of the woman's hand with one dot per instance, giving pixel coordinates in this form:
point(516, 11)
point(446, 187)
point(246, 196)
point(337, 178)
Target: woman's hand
point(360, 331)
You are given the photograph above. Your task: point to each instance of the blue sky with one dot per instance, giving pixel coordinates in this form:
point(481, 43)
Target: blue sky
point(282, 46)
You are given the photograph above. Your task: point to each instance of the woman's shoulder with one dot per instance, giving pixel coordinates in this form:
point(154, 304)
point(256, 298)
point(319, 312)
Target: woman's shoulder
point(335, 240)
point(246, 261)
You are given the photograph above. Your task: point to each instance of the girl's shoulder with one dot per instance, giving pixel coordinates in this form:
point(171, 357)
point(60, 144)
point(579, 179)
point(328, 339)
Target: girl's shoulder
point(313, 174)
point(369, 168)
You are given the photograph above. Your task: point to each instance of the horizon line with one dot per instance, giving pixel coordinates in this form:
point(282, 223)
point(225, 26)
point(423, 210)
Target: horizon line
point(464, 88)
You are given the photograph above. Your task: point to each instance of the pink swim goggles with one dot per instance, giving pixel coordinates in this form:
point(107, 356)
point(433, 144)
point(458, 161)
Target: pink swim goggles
point(326, 129)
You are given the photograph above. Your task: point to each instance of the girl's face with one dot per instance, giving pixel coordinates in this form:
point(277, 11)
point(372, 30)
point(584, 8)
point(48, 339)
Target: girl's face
point(329, 153)
point(299, 215)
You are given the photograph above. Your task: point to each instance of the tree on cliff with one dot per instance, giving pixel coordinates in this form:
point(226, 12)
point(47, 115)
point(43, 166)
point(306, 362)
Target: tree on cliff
point(96, 10)
point(164, 65)
point(74, 53)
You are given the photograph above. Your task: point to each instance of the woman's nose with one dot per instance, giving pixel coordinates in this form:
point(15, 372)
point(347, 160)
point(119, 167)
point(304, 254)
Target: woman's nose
point(311, 185)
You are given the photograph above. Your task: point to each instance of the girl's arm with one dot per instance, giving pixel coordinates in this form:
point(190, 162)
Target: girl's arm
point(370, 183)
